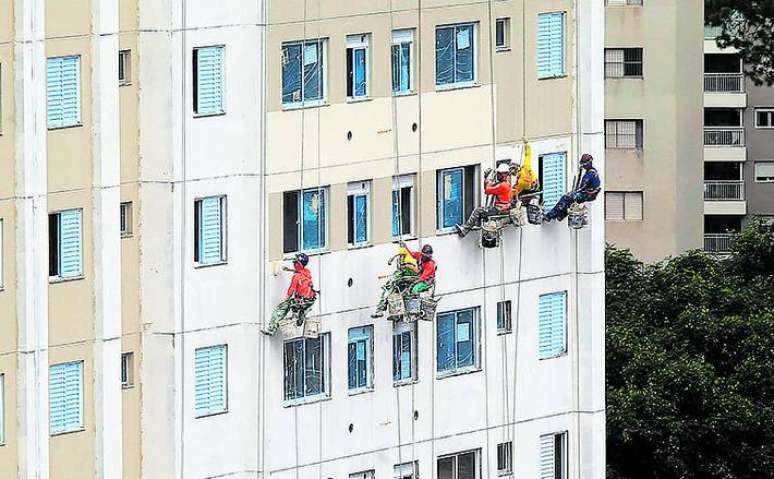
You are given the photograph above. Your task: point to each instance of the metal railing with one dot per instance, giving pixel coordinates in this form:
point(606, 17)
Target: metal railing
point(724, 82)
point(723, 190)
point(718, 242)
point(724, 136)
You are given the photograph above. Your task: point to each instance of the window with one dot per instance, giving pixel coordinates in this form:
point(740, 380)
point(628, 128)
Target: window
point(403, 206)
point(505, 458)
point(463, 465)
point(504, 317)
point(623, 206)
point(65, 397)
point(360, 354)
point(63, 91)
point(124, 67)
point(126, 218)
point(550, 45)
point(305, 222)
point(455, 55)
point(552, 177)
point(210, 229)
point(723, 117)
point(622, 2)
point(303, 72)
point(208, 81)
point(357, 66)
point(306, 367)
point(363, 475)
point(552, 324)
point(404, 352)
point(623, 62)
point(457, 195)
point(457, 341)
point(402, 61)
point(64, 244)
point(408, 470)
point(764, 118)
point(210, 395)
point(764, 172)
point(623, 134)
point(358, 213)
point(127, 370)
point(2, 409)
point(503, 33)
point(553, 456)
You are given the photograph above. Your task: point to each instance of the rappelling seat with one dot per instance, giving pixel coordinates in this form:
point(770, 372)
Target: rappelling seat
point(407, 307)
point(309, 329)
point(577, 216)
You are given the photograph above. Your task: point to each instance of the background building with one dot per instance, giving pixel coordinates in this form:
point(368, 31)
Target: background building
point(203, 146)
point(653, 104)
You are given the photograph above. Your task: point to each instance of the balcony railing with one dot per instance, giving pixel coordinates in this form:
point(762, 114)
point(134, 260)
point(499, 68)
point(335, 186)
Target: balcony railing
point(727, 190)
point(718, 242)
point(724, 83)
point(720, 136)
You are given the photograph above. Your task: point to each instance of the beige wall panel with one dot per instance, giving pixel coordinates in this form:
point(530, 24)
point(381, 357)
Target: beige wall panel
point(128, 106)
point(426, 205)
point(64, 463)
point(71, 303)
point(131, 404)
point(337, 217)
point(452, 119)
point(130, 265)
point(381, 207)
point(7, 121)
point(274, 228)
point(6, 21)
point(69, 149)
point(128, 19)
point(508, 75)
point(8, 326)
point(68, 19)
point(8, 449)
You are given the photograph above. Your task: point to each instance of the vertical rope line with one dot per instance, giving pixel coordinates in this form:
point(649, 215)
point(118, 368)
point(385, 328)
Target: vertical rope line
point(321, 230)
point(262, 256)
point(574, 233)
point(516, 347)
point(183, 226)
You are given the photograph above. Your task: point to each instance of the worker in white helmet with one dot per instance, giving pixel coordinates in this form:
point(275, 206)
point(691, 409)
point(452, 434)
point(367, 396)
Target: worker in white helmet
point(500, 188)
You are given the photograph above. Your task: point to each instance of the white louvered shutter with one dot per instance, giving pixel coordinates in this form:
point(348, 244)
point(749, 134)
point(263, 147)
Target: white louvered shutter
point(547, 457)
point(210, 373)
point(70, 250)
point(614, 62)
point(65, 401)
point(552, 324)
point(209, 81)
point(211, 230)
point(553, 178)
point(550, 54)
point(63, 91)
point(633, 206)
point(614, 206)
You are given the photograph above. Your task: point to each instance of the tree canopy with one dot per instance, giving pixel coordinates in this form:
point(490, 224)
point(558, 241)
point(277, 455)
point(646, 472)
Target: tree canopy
point(690, 363)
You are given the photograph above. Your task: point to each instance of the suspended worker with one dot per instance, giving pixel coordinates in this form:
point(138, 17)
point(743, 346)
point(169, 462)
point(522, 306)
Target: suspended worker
point(586, 190)
point(299, 297)
point(500, 188)
point(526, 179)
point(410, 281)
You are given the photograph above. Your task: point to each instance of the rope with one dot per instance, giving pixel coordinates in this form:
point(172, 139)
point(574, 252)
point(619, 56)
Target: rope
point(183, 226)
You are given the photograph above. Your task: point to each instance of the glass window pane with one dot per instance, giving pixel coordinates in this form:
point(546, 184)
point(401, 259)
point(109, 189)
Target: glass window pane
point(446, 342)
point(444, 56)
point(465, 350)
point(464, 62)
point(446, 467)
point(466, 466)
point(395, 213)
point(314, 220)
point(361, 219)
point(405, 355)
point(313, 366)
point(291, 73)
point(352, 359)
point(360, 72)
point(395, 59)
point(451, 202)
point(313, 74)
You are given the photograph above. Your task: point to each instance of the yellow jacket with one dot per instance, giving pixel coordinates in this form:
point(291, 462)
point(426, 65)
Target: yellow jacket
point(407, 260)
point(526, 177)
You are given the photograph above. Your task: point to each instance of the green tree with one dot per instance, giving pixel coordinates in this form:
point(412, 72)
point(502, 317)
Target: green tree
point(747, 25)
point(690, 363)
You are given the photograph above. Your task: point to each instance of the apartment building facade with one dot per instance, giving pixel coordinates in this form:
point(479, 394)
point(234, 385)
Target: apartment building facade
point(204, 146)
point(738, 146)
point(653, 126)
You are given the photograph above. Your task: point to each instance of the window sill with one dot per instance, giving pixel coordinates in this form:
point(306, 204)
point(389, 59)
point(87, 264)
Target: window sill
point(64, 127)
point(208, 115)
point(626, 77)
point(555, 356)
point(127, 386)
point(124, 83)
point(307, 400)
point(352, 247)
point(219, 413)
point(446, 231)
point(73, 431)
point(457, 372)
point(59, 279)
point(404, 93)
point(359, 99)
point(504, 332)
point(302, 105)
point(404, 382)
point(456, 86)
point(555, 77)
point(209, 265)
point(361, 391)
point(317, 252)
point(406, 237)
point(764, 127)
point(126, 235)
point(502, 49)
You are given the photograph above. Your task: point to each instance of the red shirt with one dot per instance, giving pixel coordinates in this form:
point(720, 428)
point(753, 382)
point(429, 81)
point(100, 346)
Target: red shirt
point(426, 267)
point(301, 284)
point(501, 191)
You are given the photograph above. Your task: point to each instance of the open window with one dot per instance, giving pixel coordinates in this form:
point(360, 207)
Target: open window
point(404, 353)
point(402, 61)
point(357, 66)
point(553, 456)
point(455, 55)
point(457, 195)
point(304, 71)
point(360, 358)
point(403, 206)
point(358, 213)
point(305, 220)
point(307, 368)
point(65, 235)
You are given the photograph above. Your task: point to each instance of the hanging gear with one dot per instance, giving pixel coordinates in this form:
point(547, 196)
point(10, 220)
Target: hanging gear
point(408, 294)
point(299, 298)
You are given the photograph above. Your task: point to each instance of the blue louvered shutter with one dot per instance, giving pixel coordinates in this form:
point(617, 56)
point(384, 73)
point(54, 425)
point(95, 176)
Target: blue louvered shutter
point(63, 91)
point(210, 372)
point(451, 201)
point(553, 178)
point(548, 457)
point(65, 389)
point(550, 47)
point(209, 86)
point(211, 230)
point(552, 324)
point(70, 256)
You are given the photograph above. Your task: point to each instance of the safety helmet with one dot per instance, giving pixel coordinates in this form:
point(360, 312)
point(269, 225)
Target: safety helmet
point(302, 258)
point(427, 250)
point(586, 159)
point(503, 169)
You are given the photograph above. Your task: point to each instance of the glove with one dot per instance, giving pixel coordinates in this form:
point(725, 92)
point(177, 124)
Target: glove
point(487, 172)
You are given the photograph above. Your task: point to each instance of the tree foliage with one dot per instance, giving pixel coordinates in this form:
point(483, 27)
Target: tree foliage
point(690, 363)
point(747, 25)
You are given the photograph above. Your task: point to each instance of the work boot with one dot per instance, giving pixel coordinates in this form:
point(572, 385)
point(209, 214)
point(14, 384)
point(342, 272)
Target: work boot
point(462, 230)
point(266, 332)
point(377, 314)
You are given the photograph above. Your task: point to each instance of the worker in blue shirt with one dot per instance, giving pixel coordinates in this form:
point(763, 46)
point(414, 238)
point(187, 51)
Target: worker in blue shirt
point(586, 190)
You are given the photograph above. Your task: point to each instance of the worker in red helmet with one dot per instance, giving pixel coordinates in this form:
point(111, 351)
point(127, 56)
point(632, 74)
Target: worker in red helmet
point(300, 294)
point(427, 269)
point(500, 188)
point(416, 265)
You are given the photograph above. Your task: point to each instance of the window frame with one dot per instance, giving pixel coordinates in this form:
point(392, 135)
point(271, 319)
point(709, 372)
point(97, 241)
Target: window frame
point(402, 37)
point(398, 185)
point(504, 317)
point(507, 453)
point(79, 95)
point(58, 278)
point(127, 370)
point(475, 52)
point(566, 319)
point(770, 112)
point(369, 474)
point(767, 179)
point(126, 219)
point(541, 176)
point(623, 63)
point(299, 195)
point(563, 438)
point(398, 470)
point(639, 134)
point(369, 359)
point(469, 200)
point(195, 81)
point(198, 233)
point(624, 218)
point(563, 74)
point(325, 374)
point(82, 423)
point(360, 41)
point(323, 71)
point(225, 410)
point(475, 339)
point(400, 329)
point(506, 30)
point(355, 190)
point(125, 66)
point(455, 469)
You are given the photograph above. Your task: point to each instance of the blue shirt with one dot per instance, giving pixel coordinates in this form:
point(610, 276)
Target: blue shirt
point(590, 180)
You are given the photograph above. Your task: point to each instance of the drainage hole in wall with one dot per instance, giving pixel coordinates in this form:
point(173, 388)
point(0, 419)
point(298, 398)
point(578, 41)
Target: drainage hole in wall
point(414, 127)
point(349, 135)
point(349, 282)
